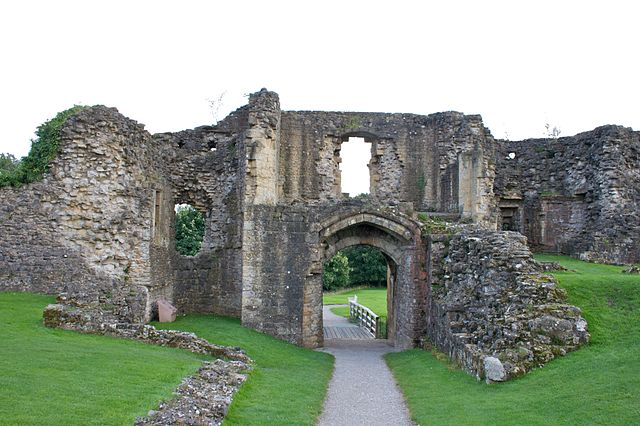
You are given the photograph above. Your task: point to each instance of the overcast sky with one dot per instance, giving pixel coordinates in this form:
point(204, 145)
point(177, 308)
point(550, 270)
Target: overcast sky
point(572, 64)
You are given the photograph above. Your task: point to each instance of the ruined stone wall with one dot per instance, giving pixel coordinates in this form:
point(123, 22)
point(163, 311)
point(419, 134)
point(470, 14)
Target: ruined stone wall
point(578, 195)
point(90, 218)
point(493, 311)
point(205, 168)
point(415, 159)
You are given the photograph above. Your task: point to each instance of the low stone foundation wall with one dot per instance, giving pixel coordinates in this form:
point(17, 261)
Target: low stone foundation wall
point(495, 312)
point(94, 320)
point(202, 399)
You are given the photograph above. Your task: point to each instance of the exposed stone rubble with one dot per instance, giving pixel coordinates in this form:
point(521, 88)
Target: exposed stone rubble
point(631, 269)
point(551, 266)
point(496, 313)
point(202, 399)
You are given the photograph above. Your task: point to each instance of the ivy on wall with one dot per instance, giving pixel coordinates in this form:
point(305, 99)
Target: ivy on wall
point(44, 149)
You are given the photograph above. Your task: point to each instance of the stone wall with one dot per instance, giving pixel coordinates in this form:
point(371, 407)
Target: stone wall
point(414, 158)
point(493, 310)
point(277, 256)
point(90, 223)
point(578, 195)
point(205, 168)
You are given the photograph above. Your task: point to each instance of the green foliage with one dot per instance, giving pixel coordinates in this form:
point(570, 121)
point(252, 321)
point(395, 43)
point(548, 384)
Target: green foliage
point(189, 230)
point(355, 266)
point(354, 122)
point(433, 224)
point(59, 377)
point(8, 165)
point(597, 384)
point(43, 150)
point(288, 383)
point(367, 266)
point(336, 273)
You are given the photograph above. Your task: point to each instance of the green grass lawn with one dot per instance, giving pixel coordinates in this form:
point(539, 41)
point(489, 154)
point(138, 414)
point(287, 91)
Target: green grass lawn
point(287, 385)
point(373, 298)
point(598, 384)
point(57, 377)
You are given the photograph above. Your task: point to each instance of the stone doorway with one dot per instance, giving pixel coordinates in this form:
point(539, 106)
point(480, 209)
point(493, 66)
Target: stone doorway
point(399, 240)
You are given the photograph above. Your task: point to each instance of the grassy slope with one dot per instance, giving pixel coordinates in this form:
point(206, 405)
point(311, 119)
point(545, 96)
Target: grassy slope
point(53, 377)
point(373, 298)
point(288, 383)
point(596, 385)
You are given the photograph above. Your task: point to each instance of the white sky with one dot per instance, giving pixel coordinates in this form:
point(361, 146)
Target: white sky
point(354, 176)
point(572, 64)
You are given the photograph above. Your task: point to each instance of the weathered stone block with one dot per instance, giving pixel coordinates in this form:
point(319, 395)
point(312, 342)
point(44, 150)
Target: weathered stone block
point(166, 311)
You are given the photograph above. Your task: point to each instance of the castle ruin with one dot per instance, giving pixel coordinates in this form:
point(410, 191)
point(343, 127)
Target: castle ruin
point(100, 226)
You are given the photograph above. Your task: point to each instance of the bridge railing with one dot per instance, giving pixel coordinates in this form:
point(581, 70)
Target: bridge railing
point(364, 317)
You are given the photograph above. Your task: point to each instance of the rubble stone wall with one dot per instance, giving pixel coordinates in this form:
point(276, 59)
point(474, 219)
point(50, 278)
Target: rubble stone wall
point(494, 311)
point(577, 195)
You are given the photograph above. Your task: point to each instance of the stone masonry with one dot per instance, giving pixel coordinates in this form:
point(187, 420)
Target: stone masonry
point(100, 226)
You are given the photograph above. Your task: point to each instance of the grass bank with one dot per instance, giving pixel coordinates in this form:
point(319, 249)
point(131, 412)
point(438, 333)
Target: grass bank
point(58, 377)
point(597, 384)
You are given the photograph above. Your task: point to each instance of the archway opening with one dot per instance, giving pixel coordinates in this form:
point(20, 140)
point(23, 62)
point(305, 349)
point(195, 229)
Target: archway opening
point(355, 155)
point(189, 224)
point(359, 274)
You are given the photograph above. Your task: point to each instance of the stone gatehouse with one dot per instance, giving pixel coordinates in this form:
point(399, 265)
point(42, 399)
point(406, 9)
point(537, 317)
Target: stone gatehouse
point(100, 226)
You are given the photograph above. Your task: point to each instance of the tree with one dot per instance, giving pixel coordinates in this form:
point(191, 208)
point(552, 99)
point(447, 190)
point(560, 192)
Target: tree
point(189, 230)
point(367, 265)
point(8, 165)
point(336, 273)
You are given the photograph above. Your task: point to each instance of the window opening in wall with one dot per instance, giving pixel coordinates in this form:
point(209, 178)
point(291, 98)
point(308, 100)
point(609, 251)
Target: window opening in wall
point(157, 204)
point(189, 229)
point(357, 270)
point(355, 155)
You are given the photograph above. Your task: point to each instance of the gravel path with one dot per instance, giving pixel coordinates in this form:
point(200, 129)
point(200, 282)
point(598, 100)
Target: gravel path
point(362, 390)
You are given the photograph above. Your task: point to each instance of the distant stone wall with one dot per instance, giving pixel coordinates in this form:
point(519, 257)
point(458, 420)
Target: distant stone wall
point(494, 311)
point(578, 195)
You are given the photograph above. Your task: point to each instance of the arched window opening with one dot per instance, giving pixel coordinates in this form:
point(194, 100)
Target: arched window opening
point(355, 155)
point(189, 229)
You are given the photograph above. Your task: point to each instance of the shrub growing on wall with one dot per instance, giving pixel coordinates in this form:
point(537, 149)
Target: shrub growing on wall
point(43, 149)
point(189, 230)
